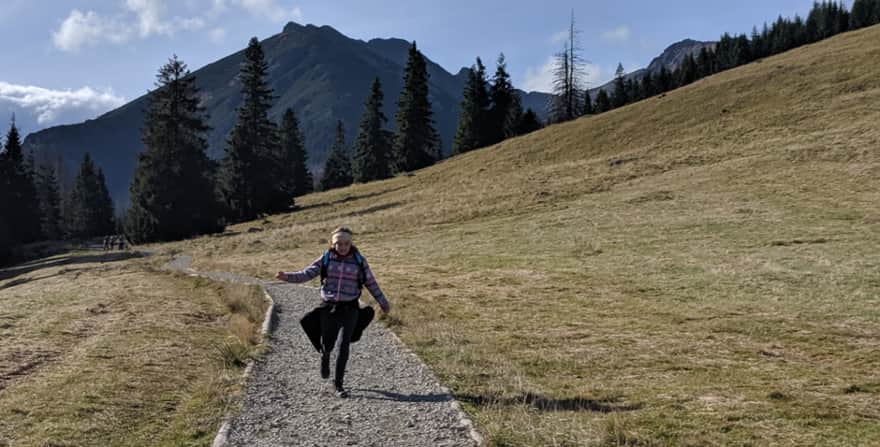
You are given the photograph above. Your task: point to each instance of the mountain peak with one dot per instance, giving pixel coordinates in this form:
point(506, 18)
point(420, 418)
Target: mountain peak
point(292, 27)
point(675, 54)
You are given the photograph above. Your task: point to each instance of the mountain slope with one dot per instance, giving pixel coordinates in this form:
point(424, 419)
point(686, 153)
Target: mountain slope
point(320, 73)
point(698, 268)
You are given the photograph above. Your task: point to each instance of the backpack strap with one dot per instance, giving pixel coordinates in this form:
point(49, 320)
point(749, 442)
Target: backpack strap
point(362, 276)
point(324, 261)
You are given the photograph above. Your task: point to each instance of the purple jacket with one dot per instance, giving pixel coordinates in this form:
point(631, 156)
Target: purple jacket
point(342, 279)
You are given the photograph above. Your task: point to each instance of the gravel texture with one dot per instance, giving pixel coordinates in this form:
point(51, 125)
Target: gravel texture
point(395, 399)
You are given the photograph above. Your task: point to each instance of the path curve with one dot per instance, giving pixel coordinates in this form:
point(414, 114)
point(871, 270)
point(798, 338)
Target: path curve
point(395, 399)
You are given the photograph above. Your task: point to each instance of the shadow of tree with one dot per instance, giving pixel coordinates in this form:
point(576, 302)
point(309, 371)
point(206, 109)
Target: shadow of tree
point(349, 198)
point(22, 269)
point(543, 403)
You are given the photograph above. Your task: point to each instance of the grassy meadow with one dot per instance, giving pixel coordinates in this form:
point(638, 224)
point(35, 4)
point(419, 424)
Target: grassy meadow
point(112, 350)
point(700, 268)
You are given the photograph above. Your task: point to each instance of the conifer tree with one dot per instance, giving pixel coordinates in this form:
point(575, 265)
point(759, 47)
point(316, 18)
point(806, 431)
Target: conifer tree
point(603, 103)
point(371, 160)
point(705, 67)
point(49, 199)
point(588, 104)
point(621, 96)
point(648, 88)
point(293, 146)
point(172, 192)
point(91, 210)
point(633, 92)
point(416, 142)
point(529, 122)
point(473, 129)
point(250, 175)
point(864, 13)
point(505, 108)
point(17, 182)
point(337, 169)
point(688, 70)
point(664, 80)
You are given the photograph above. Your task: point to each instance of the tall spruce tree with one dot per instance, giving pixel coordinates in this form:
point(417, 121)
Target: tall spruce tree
point(664, 80)
point(529, 122)
point(688, 72)
point(621, 96)
point(864, 13)
point(293, 145)
point(337, 169)
point(6, 214)
point(505, 107)
point(49, 199)
point(372, 158)
point(647, 85)
point(250, 174)
point(588, 104)
point(603, 102)
point(17, 181)
point(416, 142)
point(473, 126)
point(91, 210)
point(172, 192)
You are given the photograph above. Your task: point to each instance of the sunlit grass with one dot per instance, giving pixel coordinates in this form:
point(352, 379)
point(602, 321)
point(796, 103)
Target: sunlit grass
point(718, 287)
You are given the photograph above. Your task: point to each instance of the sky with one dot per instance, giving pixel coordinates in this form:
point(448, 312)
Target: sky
point(66, 61)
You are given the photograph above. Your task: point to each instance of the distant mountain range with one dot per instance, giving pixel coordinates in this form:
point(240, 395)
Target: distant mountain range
point(317, 71)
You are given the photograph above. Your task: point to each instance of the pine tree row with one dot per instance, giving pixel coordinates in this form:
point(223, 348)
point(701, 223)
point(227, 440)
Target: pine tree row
point(31, 204)
point(378, 153)
point(490, 112)
point(824, 20)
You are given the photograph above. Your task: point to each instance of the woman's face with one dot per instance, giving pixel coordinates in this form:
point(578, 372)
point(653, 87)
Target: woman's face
point(342, 247)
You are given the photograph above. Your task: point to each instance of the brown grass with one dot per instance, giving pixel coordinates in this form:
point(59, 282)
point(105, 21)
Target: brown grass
point(117, 353)
point(718, 287)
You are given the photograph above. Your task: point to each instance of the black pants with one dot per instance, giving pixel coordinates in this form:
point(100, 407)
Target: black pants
point(336, 316)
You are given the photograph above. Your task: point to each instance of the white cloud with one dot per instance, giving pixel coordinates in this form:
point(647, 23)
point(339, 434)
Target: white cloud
point(619, 34)
point(217, 35)
point(540, 79)
point(80, 29)
point(146, 18)
point(54, 106)
point(268, 9)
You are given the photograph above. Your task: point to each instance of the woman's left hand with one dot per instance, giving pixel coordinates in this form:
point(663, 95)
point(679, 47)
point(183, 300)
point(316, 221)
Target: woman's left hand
point(281, 276)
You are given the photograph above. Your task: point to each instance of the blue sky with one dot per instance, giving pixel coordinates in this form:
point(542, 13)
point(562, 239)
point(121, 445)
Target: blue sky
point(67, 61)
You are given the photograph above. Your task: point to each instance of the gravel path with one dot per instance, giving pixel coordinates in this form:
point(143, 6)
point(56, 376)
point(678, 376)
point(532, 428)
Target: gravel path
point(395, 399)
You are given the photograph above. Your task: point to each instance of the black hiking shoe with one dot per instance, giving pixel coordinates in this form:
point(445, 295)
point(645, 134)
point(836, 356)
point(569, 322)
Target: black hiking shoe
point(325, 367)
point(341, 392)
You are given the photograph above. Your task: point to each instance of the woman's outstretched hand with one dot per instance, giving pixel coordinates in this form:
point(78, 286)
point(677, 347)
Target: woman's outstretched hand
point(281, 276)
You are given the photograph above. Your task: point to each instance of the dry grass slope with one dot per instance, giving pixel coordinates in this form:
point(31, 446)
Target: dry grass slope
point(696, 269)
point(102, 349)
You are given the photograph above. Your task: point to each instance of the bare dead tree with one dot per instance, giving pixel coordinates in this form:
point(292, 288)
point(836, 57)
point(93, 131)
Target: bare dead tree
point(567, 100)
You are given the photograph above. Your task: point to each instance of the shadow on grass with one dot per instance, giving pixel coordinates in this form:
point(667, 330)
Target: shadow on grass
point(542, 403)
point(21, 269)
